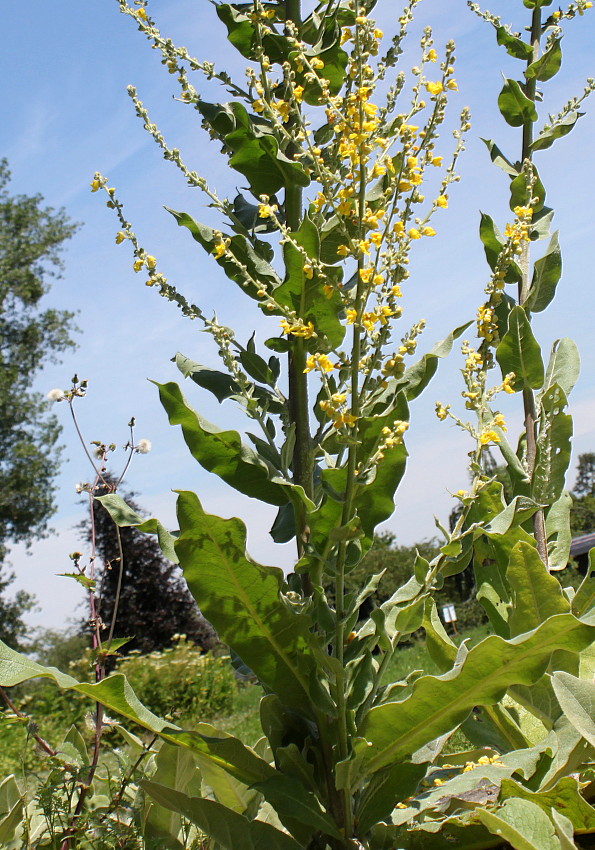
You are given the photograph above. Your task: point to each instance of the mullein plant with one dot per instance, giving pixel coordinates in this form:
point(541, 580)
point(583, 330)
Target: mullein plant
point(345, 173)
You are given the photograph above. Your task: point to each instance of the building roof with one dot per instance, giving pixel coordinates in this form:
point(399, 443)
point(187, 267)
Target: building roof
point(581, 545)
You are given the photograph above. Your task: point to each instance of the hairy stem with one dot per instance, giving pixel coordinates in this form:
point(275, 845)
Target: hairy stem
point(524, 287)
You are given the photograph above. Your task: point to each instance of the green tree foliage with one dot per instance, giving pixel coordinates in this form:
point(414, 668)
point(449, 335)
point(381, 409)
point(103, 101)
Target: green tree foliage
point(582, 517)
point(31, 239)
point(12, 626)
point(154, 602)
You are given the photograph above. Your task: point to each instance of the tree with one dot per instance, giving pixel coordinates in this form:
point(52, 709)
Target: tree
point(582, 517)
point(31, 240)
point(12, 625)
point(154, 603)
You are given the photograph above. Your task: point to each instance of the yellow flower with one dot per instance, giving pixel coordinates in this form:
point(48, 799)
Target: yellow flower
point(219, 250)
point(366, 274)
point(343, 250)
point(500, 422)
point(414, 233)
point(120, 237)
point(344, 208)
point(258, 105)
point(266, 210)
point(318, 361)
point(396, 291)
point(297, 329)
point(437, 161)
point(442, 411)
point(452, 85)
point(351, 315)
point(399, 228)
point(378, 34)
point(378, 280)
point(328, 290)
point(435, 88)
point(488, 436)
point(308, 271)
point(298, 93)
point(95, 185)
point(142, 14)
point(432, 55)
point(319, 201)
point(428, 231)
point(442, 201)
point(364, 247)
point(317, 63)
point(138, 264)
point(376, 238)
point(151, 262)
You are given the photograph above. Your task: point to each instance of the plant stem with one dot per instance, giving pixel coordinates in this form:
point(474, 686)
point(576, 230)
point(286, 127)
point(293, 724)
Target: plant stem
point(298, 382)
point(524, 287)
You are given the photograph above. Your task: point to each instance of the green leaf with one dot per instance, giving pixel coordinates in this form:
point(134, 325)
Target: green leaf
point(387, 788)
point(520, 196)
point(559, 537)
point(547, 271)
point(577, 700)
point(418, 376)
point(240, 253)
point(228, 828)
point(564, 830)
point(222, 452)
point(288, 795)
point(523, 824)
point(565, 795)
point(220, 384)
point(519, 352)
point(242, 601)
point(438, 704)
point(549, 134)
point(175, 768)
point(536, 4)
point(537, 594)
point(584, 598)
point(306, 296)
point(564, 366)
point(257, 368)
point(548, 65)
point(516, 108)
point(515, 47)
point(493, 241)
point(499, 159)
point(553, 447)
point(125, 517)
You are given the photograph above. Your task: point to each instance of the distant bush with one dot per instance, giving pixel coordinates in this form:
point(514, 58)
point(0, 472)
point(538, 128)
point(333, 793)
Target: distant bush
point(181, 682)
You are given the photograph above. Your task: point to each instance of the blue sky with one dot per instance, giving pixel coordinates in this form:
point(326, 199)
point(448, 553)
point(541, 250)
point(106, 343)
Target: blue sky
point(66, 114)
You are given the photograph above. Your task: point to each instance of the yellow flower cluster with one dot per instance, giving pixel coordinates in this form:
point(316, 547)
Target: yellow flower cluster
point(442, 410)
point(298, 328)
point(335, 409)
point(320, 362)
point(518, 232)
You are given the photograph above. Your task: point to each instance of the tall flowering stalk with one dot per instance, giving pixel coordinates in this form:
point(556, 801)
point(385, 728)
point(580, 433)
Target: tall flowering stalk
point(348, 181)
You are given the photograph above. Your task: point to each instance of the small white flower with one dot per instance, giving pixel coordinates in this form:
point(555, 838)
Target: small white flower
point(56, 395)
point(143, 446)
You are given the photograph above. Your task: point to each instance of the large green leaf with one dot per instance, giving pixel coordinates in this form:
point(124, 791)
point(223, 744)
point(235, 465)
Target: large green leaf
point(228, 828)
point(548, 65)
point(221, 384)
point(537, 594)
point(520, 195)
point(240, 254)
point(564, 365)
point(565, 796)
point(519, 352)
point(577, 699)
point(516, 108)
point(546, 274)
point(438, 704)
point(523, 824)
point(242, 600)
point(553, 447)
point(550, 133)
point(387, 788)
point(222, 452)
